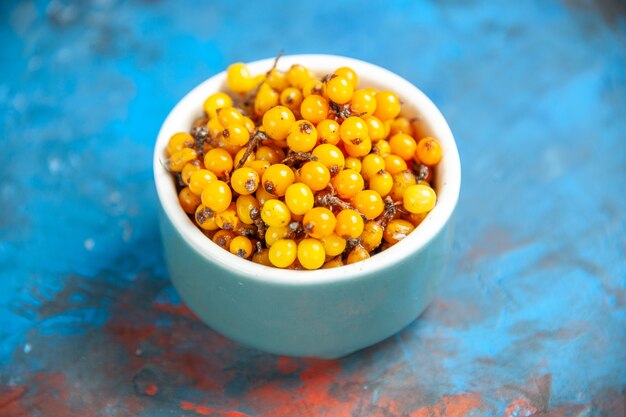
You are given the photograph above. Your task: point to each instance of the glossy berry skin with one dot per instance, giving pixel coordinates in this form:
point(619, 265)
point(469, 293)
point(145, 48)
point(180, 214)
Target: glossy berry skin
point(348, 183)
point(312, 87)
point(359, 150)
point(223, 238)
point(333, 263)
point(274, 233)
point(394, 164)
point(188, 200)
point(375, 128)
point(179, 159)
point(396, 230)
point(371, 164)
point(401, 181)
point(277, 178)
point(277, 121)
point(403, 145)
point(218, 161)
point(229, 115)
point(275, 213)
point(387, 105)
point(328, 132)
point(200, 179)
point(262, 257)
point(382, 148)
point(401, 125)
point(299, 198)
point(353, 130)
point(241, 246)
point(314, 108)
point(205, 218)
point(238, 78)
point(243, 205)
point(357, 254)
point(353, 164)
point(382, 183)
point(349, 224)
point(277, 79)
point(179, 141)
point(298, 75)
point(189, 168)
point(319, 222)
point(302, 136)
point(419, 199)
point(429, 151)
point(339, 89)
point(266, 98)
point(330, 156)
point(244, 181)
point(372, 235)
point(228, 219)
point(236, 134)
point(270, 154)
point(217, 196)
point(315, 175)
point(291, 98)
point(216, 101)
point(350, 74)
point(311, 253)
point(283, 252)
point(333, 244)
point(369, 203)
point(363, 103)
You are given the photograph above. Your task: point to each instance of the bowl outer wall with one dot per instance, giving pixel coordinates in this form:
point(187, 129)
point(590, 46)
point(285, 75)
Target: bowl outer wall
point(184, 233)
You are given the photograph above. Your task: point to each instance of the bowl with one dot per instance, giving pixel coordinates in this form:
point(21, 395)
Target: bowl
point(325, 313)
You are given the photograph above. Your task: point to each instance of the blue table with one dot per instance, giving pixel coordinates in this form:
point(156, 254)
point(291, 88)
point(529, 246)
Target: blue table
point(531, 320)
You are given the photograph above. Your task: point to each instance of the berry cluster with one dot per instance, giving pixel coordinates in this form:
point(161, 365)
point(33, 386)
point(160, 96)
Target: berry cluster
point(298, 172)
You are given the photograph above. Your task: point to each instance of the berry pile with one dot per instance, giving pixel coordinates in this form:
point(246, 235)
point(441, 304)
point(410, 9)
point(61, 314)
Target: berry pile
point(298, 172)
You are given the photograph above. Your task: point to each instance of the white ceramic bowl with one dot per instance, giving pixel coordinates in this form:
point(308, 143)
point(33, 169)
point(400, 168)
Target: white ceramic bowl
point(322, 313)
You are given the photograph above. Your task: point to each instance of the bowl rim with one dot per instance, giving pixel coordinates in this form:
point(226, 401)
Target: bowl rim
point(448, 181)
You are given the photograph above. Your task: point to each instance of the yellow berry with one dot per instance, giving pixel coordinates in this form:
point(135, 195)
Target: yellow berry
point(216, 101)
point(283, 253)
point(277, 121)
point(419, 198)
point(244, 181)
point(311, 253)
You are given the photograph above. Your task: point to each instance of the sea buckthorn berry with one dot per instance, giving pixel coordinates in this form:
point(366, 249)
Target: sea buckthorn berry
point(249, 124)
point(328, 132)
point(200, 179)
point(299, 198)
point(387, 127)
point(236, 134)
point(291, 98)
point(396, 230)
point(369, 203)
point(228, 219)
point(244, 205)
point(333, 244)
point(238, 78)
point(311, 253)
point(349, 224)
point(375, 128)
point(244, 181)
point(401, 125)
point(387, 105)
point(330, 156)
point(429, 151)
point(363, 103)
point(277, 121)
point(339, 89)
point(382, 148)
point(229, 115)
point(357, 254)
point(189, 168)
point(371, 164)
point(394, 164)
point(178, 160)
point(350, 74)
point(313, 86)
point(359, 150)
point(218, 161)
point(372, 235)
point(188, 200)
point(353, 164)
point(302, 136)
point(205, 218)
point(275, 213)
point(403, 145)
point(223, 238)
point(416, 218)
point(314, 108)
point(270, 153)
point(217, 196)
point(262, 196)
point(382, 183)
point(265, 99)
point(401, 181)
point(275, 233)
point(353, 130)
point(241, 246)
point(240, 154)
point(259, 166)
point(277, 178)
point(216, 101)
point(283, 252)
point(277, 79)
point(347, 183)
point(262, 257)
point(298, 75)
point(419, 198)
point(214, 127)
point(319, 222)
point(315, 175)
point(178, 142)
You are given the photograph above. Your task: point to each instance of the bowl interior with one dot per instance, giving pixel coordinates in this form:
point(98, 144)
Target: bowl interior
point(414, 104)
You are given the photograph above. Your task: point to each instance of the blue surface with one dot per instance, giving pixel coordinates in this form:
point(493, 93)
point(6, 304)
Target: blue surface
point(532, 317)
